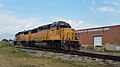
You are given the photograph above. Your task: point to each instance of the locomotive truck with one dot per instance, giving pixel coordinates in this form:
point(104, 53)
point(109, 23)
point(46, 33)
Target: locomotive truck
point(57, 35)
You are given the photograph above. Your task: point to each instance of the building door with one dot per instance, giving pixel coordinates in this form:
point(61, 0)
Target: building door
point(97, 41)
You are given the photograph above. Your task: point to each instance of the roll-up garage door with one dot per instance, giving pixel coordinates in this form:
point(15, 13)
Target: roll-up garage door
point(97, 41)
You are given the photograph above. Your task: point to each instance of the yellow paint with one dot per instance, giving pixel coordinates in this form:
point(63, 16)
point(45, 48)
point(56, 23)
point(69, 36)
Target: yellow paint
point(49, 34)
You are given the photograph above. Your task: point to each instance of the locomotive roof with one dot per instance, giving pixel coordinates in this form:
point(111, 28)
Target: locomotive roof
point(43, 27)
point(22, 32)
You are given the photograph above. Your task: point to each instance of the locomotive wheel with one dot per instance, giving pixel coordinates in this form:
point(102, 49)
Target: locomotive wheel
point(67, 47)
point(73, 45)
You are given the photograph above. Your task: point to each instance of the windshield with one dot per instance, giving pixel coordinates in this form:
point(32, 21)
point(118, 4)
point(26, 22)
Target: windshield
point(64, 24)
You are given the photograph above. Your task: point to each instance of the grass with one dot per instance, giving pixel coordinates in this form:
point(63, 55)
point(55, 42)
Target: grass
point(13, 57)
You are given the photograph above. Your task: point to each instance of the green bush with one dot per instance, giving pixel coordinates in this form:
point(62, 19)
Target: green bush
point(4, 44)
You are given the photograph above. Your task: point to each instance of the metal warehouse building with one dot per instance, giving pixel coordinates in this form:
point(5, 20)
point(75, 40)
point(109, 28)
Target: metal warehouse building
point(108, 36)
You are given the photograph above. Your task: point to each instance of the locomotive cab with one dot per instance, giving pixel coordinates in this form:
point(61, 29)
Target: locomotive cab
point(63, 24)
point(60, 24)
point(62, 31)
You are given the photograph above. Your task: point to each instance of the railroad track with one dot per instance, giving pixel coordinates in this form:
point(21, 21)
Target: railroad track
point(92, 55)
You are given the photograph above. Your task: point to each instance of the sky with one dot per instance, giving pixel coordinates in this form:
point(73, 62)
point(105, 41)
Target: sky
point(19, 15)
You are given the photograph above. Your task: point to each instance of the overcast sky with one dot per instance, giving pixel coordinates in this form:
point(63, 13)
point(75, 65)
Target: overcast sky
point(18, 15)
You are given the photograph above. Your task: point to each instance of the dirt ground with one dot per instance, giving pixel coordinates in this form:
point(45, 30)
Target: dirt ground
point(12, 57)
point(41, 62)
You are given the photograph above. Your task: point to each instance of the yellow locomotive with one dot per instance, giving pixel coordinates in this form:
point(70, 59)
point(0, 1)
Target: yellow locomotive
point(58, 35)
